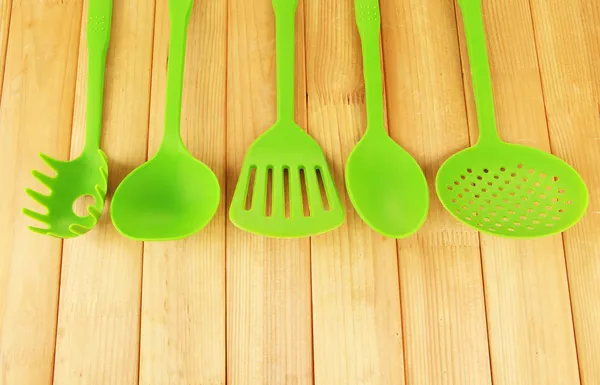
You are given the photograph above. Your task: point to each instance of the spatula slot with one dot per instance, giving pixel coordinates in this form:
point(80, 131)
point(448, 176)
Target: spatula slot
point(250, 189)
point(321, 182)
point(286, 191)
point(269, 206)
point(305, 205)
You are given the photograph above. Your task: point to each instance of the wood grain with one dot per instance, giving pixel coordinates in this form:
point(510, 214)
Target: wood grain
point(440, 272)
point(269, 336)
point(529, 313)
point(99, 310)
point(357, 326)
point(5, 12)
point(183, 303)
point(568, 47)
point(445, 306)
point(35, 115)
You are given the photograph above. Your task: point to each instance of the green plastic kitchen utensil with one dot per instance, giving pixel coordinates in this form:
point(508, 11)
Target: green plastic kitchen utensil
point(285, 189)
point(173, 195)
point(86, 175)
point(505, 189)
point(386, 185)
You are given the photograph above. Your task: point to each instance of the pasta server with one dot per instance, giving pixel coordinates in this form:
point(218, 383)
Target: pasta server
point(86, 175)
point(499, 188)
point(285, 188)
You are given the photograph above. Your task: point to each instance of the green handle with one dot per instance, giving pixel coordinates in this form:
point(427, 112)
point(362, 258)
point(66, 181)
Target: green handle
point(98, 37)
point(480, 70)
point(285, 11)
point(179, 16)
point(368, 21)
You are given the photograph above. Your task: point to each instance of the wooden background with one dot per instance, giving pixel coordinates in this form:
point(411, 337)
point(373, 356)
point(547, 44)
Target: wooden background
point(446, 306)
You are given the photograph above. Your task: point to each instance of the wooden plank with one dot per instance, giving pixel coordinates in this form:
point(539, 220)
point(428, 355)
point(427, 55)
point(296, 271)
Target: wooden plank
point(5, 12)
point(269, 338)
point(525, 281)
point(183, 301)
point(35, 115)
point(440, 273)
point(568, 44)
point(357, 326)
point(99, 313)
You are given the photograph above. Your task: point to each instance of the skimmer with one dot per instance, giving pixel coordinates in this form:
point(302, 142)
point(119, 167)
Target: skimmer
point(505, 189)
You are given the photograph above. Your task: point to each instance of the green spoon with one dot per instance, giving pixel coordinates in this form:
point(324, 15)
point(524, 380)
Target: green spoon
point(87, 174)
point(173, 195)
point(386, 185)
point(499, 188)
point(285, 189)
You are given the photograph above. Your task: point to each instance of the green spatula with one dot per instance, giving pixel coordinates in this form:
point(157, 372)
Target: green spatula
point(499, 188)
point(285, 189)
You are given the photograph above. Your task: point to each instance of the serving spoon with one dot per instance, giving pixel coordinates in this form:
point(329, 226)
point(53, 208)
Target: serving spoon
point(173, 195)
point(385, 183)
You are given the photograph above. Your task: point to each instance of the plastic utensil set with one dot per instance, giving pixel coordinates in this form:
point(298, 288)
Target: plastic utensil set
point(285, 188)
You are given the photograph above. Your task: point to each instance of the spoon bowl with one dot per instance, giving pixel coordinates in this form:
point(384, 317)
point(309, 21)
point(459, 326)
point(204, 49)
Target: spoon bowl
point(172, 196)
point(387, 187)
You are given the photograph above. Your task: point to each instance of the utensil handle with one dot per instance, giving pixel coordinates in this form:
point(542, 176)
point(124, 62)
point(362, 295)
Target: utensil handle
point(179, 16)
point(368, 21)
point(480, 70)
point(285, 47)
point(98, 38)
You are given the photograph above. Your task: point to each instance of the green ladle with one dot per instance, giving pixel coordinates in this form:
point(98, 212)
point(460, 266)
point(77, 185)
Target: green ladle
point(386, 185)
point(499, 188)
point(173, 195)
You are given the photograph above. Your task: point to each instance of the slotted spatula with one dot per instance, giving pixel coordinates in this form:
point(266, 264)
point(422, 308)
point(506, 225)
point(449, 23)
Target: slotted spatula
point(285, 189)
